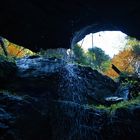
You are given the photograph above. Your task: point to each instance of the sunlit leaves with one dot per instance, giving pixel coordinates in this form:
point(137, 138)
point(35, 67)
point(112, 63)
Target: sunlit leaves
point(14, 50)
point(95, 58)
point(98, 59)
point(79, 55)
point(126, 59)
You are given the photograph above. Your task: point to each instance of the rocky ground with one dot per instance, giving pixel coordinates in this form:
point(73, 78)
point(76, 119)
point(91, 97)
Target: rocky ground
point(49, 99)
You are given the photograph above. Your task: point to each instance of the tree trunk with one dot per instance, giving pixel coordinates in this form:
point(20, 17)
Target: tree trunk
point(3, 46)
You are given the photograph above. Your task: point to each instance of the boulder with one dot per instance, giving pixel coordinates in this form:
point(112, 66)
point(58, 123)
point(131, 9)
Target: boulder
point(62, 80)
point(113, 100)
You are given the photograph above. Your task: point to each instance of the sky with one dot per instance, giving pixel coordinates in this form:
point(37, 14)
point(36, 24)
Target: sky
point(109, 41)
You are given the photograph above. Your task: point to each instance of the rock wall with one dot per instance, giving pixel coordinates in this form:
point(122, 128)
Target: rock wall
point(39, 24)
point(49, 99)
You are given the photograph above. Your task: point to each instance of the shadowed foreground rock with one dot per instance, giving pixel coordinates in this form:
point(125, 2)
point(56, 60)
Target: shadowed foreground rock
point(50, 99)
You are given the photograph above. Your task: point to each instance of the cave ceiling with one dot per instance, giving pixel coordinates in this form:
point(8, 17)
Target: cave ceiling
point(46, 24)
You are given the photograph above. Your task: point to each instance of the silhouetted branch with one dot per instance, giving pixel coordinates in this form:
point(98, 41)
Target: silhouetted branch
point(3, 46)
point(116, 69)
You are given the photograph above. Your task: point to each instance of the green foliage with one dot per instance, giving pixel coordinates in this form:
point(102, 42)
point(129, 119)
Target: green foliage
point(6, 58)
point(42, 52)
point(79, 55)
point(95, 58)
point(134, 45)
point(49, 55)
point(131, 42)
point(113, 107)
point(105, 65)
point(59, 53)
point(133, 83)
point(98, 59)
point(124, 75)
point(136, 50)
point(3, 46)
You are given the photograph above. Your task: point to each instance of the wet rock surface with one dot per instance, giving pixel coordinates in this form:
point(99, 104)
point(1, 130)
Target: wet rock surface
point(50, 99)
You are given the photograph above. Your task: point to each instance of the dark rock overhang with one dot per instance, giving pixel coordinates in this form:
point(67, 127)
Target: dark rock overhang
point(45, 24)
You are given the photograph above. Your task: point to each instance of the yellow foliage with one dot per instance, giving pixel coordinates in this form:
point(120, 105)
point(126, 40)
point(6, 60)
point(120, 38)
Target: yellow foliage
point(15, 50)
point(123, 61)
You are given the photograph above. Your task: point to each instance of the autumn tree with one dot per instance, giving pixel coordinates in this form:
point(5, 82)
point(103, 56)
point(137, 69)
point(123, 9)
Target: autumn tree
point(134, 44)
point(126, 60)
point(12, 50)
point(123, 61)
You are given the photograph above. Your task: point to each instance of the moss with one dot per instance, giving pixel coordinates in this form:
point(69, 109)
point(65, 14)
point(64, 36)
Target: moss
point(6, 91)
point(126, 103)
point(6, 58)
point(113, 107)
point(59, 53)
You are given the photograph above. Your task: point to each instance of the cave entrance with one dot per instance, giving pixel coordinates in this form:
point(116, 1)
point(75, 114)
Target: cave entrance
point(105, 50)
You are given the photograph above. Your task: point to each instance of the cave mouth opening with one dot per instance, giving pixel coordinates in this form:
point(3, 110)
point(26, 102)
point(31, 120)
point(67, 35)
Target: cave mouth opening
point(109, 52)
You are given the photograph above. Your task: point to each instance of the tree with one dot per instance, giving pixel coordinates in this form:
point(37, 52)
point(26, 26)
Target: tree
point(12, 50)
point(98, 59)
point(123, 61)
point(134, 44)
point(79, 55)
point(3, 46)
point(127, 59)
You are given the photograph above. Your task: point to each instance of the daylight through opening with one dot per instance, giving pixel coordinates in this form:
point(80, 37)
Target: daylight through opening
point(109, 52)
